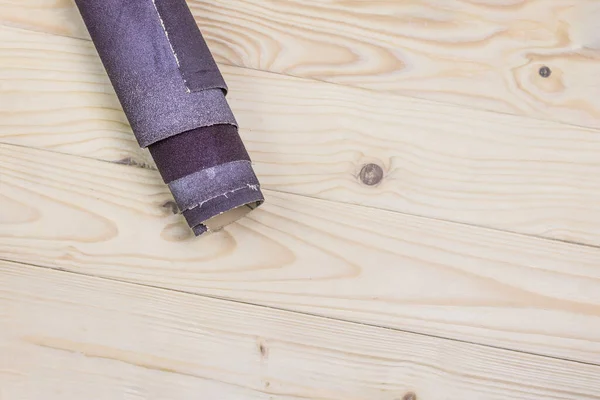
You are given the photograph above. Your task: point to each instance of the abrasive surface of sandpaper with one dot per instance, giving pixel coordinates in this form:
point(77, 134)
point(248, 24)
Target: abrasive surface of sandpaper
point(199, 71)
point(220, 180)
point(173, 95)
point(143, 68)
point(219, 143)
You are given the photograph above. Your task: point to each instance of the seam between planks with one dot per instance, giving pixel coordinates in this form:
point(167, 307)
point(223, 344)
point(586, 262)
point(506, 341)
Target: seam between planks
point(322, 81)
point(295, 312)
point(135, 164)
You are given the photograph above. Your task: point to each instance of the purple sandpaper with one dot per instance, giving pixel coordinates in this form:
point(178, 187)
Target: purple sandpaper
point(143, 67)
point(244, 197)
point(174, 98)
point(180, 26)
point(214, 181)
point(196, 150)
point(243, 191)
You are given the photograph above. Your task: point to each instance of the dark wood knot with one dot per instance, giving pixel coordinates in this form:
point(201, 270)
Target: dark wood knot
point(545, 72)
point(410, 396)
point(371, 174)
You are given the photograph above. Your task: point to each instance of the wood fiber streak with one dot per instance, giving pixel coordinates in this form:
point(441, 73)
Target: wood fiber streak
point(303, 254)
point(312, 138)
point(177, 346)
point(483, 54)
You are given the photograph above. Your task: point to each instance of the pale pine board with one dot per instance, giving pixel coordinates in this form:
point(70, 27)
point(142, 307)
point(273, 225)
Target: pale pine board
point(312, 138)
point(303, 254)
point(66, 336)
point(484, 54)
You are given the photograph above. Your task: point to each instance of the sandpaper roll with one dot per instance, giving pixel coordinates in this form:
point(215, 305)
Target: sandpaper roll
point(174, 97)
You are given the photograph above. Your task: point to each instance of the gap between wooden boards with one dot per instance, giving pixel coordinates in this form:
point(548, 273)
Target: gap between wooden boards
point(490, 60)
point(111, 337)
point(313, 139)
point(303, 254)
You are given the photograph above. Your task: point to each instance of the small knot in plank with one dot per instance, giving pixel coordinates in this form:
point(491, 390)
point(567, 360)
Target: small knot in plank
point(371, 174)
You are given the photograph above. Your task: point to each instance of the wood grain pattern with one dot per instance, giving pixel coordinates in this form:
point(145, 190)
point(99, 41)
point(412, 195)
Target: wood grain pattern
point(310, 255)
point(57, 344)
point(66, 208)
point(483, 54)
point(54, 93)
point(313, 138)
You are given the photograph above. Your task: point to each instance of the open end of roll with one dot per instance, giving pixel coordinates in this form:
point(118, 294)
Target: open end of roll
point(218, 222)
point(219, 211)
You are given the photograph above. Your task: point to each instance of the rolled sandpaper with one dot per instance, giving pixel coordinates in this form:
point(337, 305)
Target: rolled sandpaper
point(174, 97)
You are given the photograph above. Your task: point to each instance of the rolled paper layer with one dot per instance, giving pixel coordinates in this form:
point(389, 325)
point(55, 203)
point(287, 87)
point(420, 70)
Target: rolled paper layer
point(143, 67)
point(173, 95)
point(211, 216)
point(196, 150)
point(205, 201)
point(196, 64)
point(195, 189)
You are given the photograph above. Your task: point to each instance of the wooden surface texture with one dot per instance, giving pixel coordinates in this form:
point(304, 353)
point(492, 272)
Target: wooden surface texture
point(167, 345)
point(311, 138)
point(310, 255)
point(472, 270)
point(481, 54)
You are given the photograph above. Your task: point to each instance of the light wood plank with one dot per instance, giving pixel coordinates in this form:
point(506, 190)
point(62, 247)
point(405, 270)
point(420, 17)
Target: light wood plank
point(311, 138)
point(484, 54)
point(66, 336)
point(59, 17)
point(310, 255)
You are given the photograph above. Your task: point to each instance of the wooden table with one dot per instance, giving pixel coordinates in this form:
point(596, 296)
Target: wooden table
point(431, 230)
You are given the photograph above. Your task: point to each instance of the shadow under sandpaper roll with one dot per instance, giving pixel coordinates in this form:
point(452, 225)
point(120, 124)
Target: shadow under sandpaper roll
point(174, 97)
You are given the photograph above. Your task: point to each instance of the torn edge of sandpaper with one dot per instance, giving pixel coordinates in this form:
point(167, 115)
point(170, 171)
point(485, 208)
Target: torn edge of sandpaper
point(216, 196)
point(242, 201)
point(197, 66)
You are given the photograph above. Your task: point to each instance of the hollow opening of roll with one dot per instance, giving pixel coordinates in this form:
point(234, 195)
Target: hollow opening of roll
point(228, 217)
point(217, 196)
